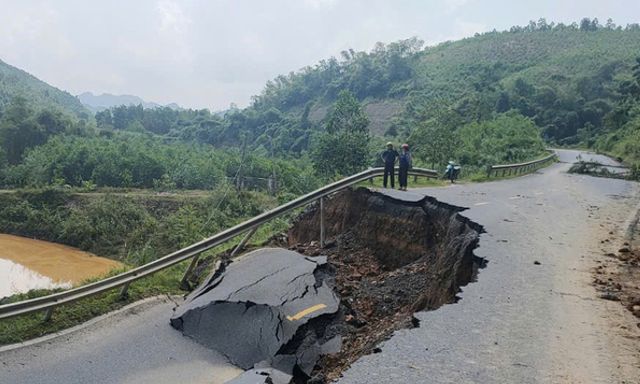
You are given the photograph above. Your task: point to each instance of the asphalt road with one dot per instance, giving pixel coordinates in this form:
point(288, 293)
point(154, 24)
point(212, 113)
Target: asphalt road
point(135, 346)
point(520, 323)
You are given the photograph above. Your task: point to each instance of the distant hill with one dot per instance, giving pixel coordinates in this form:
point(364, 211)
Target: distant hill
point(567, 79)
point(15, 82)
point(104, 101)
point(564, 77)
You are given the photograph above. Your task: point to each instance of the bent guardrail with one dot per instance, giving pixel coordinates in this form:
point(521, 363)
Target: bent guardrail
point(123, 280)
point(520, 168)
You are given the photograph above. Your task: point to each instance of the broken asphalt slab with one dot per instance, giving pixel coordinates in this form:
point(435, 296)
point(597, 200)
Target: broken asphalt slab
point(251, 308)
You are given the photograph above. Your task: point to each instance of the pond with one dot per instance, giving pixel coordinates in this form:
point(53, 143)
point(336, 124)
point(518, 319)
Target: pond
point(27, 264)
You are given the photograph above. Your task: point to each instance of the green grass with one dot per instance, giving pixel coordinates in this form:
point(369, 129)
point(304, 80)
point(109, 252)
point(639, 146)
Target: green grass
point(29, 326)
point(167, 282)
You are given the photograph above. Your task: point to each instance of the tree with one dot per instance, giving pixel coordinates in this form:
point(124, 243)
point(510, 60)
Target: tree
point(509, 137)
point(436, 139)
point(503, 104)
point(347, 115)
point(343, 148)
point(19, 130)
point(636, 76)
point(340, 154)
point(104, 119)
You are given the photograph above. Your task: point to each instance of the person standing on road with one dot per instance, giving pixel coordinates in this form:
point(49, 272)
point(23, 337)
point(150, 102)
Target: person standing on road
point(405, 166)
point(389, 157)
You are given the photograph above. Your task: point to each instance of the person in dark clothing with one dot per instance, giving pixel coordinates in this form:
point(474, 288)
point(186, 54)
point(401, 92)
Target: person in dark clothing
point(405, 165)
point(452, 171)
point(389, 157)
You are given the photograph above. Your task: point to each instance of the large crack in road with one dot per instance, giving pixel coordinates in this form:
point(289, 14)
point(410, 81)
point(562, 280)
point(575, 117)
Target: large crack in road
point(533, 317)
point(304, 314)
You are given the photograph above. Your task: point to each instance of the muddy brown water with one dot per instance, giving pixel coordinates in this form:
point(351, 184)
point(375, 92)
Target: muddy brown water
point(27, 264)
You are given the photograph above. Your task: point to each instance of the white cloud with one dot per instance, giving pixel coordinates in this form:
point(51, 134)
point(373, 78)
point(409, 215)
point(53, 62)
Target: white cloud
point(172, 17)
point(319, 4)
point(452, 6)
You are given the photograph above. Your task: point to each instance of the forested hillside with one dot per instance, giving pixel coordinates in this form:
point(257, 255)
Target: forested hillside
point(492, 98)
point(566, 79)
point(15, 82)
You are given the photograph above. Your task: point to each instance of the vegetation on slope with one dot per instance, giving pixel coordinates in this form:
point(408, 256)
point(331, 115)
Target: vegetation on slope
point(566, 79)
point(15, 82)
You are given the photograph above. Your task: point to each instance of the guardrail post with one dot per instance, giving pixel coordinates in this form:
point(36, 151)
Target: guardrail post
point(243, 242)
point(47, 314)
point(124, 292)
point(322, 222)
point(187, 273)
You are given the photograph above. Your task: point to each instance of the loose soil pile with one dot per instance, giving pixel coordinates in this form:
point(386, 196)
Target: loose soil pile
point(621, 282)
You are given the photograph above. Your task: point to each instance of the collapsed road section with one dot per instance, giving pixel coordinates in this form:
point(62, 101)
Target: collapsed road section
point(252, 308)
point(305, 313)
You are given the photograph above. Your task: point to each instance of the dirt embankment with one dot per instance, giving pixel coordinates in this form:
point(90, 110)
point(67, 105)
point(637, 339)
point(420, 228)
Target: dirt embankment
point(390, 258)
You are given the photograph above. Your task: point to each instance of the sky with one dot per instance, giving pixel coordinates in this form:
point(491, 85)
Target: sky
point(209, 54)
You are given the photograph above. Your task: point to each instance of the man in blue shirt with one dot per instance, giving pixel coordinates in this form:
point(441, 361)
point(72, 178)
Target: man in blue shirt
point(389, 157)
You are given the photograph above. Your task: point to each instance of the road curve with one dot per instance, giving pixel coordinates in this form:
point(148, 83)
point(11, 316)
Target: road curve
point(523, 322)
point(520, 323)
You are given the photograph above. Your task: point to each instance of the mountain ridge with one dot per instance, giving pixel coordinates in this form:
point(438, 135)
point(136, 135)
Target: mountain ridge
point(104, 101)
point(15, 82)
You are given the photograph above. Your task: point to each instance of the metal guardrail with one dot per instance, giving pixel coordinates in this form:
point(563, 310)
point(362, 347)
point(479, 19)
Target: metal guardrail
point(520, 168)
point(123, 280)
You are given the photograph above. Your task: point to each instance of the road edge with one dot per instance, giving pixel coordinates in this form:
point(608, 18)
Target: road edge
point(126, 310)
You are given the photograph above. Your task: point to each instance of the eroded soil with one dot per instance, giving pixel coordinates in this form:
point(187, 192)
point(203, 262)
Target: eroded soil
point(387, 259)
point(618, 278)
point(390, 259)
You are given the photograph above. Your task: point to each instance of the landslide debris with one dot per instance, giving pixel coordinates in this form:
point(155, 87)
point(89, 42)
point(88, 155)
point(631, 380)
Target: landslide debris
point(384, 259)
point(391, 258)
point(618, 279)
